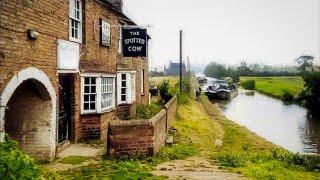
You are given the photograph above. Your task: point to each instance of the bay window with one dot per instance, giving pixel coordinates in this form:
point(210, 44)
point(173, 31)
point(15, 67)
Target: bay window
point(97, 93)
point(126, 87)
point(75, 20)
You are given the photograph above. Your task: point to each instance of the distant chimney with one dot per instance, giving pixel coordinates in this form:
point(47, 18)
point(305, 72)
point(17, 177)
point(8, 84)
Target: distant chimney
point(117, 3)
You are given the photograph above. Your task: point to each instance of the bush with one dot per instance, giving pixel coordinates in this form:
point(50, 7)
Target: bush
point(310, 96)
point(147, 111)
point(287, 96)
point(15, 164)
point(186, 86)
point(164, 91)
point(249, 84)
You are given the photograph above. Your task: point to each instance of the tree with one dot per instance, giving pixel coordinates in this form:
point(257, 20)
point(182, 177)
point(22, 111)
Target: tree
point(304, 62)
point(215, 70)
point(243, 69)
point(311, 93)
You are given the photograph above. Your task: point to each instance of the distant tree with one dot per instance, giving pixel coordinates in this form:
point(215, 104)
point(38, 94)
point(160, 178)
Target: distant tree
point(232, 72)
point(304, 62)
point(243, 69)
point(215, 70)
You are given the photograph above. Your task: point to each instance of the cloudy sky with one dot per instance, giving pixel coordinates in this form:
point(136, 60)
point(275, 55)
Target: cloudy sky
point(228, 31)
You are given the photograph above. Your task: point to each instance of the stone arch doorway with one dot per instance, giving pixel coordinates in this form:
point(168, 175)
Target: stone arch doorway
point(30, 116)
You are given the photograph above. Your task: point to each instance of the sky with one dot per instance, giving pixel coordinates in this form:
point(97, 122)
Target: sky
point(272, 32)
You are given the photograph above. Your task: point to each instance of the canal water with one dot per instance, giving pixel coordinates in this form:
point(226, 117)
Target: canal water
point(286, 125)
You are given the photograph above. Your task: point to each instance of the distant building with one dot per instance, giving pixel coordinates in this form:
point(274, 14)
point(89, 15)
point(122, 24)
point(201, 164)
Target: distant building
point(174, 69)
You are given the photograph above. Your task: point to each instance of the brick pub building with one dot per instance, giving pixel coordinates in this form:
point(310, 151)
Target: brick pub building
point(62, 73)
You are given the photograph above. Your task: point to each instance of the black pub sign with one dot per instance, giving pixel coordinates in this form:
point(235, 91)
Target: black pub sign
point(134, 42)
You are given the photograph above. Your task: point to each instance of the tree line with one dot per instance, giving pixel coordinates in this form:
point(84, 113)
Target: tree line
point(219, 71)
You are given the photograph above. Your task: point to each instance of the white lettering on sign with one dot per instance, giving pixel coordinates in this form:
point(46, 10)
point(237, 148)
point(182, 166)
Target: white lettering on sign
point(135, 33)
point(135, 49)
point(68, 55)
point(135, 40)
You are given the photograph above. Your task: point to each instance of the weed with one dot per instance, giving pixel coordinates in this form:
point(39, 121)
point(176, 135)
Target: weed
point(74, 160)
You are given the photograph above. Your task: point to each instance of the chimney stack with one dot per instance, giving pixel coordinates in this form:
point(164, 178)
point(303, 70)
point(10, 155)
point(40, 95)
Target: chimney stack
point(117, 3)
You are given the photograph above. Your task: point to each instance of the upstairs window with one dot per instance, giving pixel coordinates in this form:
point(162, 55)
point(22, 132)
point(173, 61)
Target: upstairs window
point(75, 23)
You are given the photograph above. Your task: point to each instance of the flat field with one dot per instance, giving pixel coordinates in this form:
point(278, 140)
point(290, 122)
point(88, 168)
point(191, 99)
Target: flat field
point(157, 80)
point(276, 86)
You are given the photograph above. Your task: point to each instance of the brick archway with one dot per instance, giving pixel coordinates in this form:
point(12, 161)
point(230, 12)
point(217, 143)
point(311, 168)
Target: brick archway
point(28, 92)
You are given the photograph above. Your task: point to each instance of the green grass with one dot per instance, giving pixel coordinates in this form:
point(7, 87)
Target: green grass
point(74, 160)
point(148, 111)
point(277, 86)
point(157, 80)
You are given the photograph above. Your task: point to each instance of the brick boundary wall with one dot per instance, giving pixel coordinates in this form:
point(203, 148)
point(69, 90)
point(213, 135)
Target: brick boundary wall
point(171, 109)
point(140, 138)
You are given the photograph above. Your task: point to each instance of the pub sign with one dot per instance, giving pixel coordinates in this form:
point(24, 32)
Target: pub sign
point(105, 33)
point(134, 42)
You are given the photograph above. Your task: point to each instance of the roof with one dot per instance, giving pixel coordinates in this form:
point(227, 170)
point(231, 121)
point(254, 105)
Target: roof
point(121, 15)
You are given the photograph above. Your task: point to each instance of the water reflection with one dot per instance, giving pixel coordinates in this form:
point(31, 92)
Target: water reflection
point(286, 125)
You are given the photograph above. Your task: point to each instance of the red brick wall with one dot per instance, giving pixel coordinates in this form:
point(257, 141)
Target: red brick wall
point(140, 137)
point(130, 138)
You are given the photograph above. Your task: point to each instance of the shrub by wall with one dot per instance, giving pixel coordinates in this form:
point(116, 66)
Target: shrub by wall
point(15, 164)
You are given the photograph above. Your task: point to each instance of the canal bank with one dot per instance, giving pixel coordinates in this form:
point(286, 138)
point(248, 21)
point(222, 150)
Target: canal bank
point(286, 125)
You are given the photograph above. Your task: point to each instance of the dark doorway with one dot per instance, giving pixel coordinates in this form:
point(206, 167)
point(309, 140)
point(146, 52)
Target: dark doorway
point(65, 97)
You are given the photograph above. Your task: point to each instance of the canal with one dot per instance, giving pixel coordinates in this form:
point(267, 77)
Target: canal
point(286, 125)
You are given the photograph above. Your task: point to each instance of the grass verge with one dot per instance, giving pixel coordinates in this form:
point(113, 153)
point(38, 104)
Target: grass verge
point(246, 153)
point(278, 87)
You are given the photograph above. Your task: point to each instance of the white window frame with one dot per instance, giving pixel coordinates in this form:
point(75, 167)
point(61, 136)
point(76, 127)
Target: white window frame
point(107, 89)
point(130, 87)
point(73, 18)
point(98, 109)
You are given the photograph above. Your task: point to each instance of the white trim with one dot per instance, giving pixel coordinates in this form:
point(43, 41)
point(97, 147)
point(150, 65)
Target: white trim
point(67, 71)
point(23, 75)
point(126, 71)
point(97, 75)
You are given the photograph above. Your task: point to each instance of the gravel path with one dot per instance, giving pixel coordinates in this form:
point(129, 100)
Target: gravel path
point(194, 168)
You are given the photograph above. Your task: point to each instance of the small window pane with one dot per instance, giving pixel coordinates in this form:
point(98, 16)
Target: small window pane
point(123, 91)
point(86, 98)
point(86, 80)
point(93, 89)
point(123, 97)
point(92, 98)
point(93, 80)
point(86, 106)
point(86, 89)
point(123, 84)
point(123, 76)
point(92, 106)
